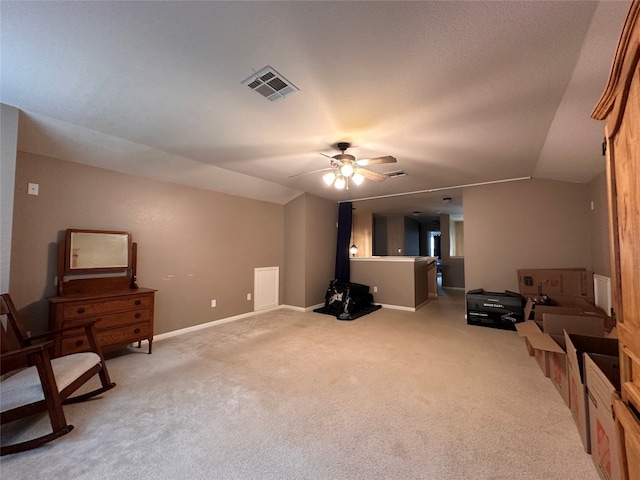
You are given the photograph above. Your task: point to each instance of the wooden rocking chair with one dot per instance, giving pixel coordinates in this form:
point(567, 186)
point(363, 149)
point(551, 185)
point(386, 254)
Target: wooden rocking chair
point(33, 382)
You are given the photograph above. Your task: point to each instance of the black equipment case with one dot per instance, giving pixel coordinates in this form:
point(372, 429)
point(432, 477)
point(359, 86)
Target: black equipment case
point(493, 309)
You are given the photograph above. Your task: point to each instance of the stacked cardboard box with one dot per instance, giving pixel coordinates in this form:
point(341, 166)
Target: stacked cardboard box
point(602, 375)
point(566, 333)
point(564, 285)
point(578, 346)
point(546, 342)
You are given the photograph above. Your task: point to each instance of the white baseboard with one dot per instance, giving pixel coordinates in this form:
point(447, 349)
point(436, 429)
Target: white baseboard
point(397, 307)
point(303, 309)
point(422, 304)
point(213, 323)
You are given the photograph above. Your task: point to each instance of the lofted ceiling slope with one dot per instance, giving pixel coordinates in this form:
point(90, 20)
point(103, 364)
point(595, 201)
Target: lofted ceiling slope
point(457, 92)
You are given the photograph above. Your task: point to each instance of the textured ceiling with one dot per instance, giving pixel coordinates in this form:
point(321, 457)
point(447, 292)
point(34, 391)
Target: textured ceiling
point(458, 92)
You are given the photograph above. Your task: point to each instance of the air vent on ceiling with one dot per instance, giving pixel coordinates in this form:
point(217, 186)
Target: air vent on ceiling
point(396, 174)
point(270, 84)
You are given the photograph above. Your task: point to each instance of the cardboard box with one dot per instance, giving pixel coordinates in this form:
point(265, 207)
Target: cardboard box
point(577, 346)
point(534, 311)
point(539, 344)
point(544, 347)
point(555, 326)
point(526, 328)
point(547, 344)
point(602, 376)
point(559, 372)
point(557, 282)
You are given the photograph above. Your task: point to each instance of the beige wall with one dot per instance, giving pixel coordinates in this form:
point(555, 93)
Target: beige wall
point(8, 147)
point(458, 228)
point(600, 241)
point(395, 235)
point(193, 245)
point(452, 267)
point(321, 243)
point(363, 233)
point(421, 283)
point(526, 224)
point(310, 249)
point(395, 281)
point(294, 252)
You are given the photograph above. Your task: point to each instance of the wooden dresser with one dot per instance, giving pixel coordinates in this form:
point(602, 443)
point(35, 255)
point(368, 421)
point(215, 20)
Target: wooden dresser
point(97, 281)
point(620, 107)
point(122, 317)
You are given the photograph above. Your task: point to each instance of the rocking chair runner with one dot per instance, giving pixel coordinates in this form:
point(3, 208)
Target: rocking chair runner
point(43, 384)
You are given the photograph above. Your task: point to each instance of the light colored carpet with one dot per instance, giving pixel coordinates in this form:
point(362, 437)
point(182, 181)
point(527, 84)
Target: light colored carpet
point(289, 395)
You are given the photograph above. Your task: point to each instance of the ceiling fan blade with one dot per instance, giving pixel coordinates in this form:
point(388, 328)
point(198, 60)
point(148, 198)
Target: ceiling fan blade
point(312, 171)
point(376, 160)
point(334, 160)
point(371, 175)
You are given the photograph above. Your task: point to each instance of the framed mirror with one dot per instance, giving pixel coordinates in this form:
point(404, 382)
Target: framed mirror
point(97, 250)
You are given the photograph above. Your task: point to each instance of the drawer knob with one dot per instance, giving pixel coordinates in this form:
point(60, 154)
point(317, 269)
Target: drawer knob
point(79, 343)
point(137, 330)
point(138, 315)
point(138, 302)
point(80, 310)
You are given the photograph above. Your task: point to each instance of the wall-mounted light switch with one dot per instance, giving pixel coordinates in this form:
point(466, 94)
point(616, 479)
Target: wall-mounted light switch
point(248, 296)
point(33, 189)
point(213, 303)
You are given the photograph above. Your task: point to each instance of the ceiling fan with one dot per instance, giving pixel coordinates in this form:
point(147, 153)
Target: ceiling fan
point(345, 168)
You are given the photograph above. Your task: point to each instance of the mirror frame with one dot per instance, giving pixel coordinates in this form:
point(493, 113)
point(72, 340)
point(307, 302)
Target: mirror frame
point(114, 267)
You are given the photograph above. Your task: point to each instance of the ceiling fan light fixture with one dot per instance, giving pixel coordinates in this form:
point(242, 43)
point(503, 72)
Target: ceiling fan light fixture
point(346, 170)
point(329, 178)
point(357, 178)
point(340, 183)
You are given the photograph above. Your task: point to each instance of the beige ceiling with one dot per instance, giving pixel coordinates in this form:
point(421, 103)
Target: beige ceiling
point(458, 92)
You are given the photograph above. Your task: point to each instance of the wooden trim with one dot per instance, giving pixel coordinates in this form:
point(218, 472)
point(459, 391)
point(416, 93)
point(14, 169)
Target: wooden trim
point(614, 240)
point(628, 435)
point(606, 102)
point(630, 341)
point(614, 120)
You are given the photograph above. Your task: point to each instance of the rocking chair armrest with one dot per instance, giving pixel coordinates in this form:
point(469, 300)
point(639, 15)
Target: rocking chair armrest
point(40, 347)
point(58, 331)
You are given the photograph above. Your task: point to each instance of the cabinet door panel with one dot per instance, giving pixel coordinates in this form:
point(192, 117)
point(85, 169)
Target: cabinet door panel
point(624, 172)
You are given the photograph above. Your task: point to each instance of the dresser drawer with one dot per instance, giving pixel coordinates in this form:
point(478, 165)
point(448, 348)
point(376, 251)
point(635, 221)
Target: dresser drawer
point(106, 338)
point(111, 320)
point(120, 317)
point(93, 308)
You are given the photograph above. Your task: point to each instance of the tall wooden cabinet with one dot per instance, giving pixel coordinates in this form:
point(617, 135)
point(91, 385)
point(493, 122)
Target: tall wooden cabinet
point(620, 107)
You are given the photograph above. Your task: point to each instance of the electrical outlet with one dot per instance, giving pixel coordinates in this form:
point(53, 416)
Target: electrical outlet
point(248, 296)
point(375, 289)
point(213, 303)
